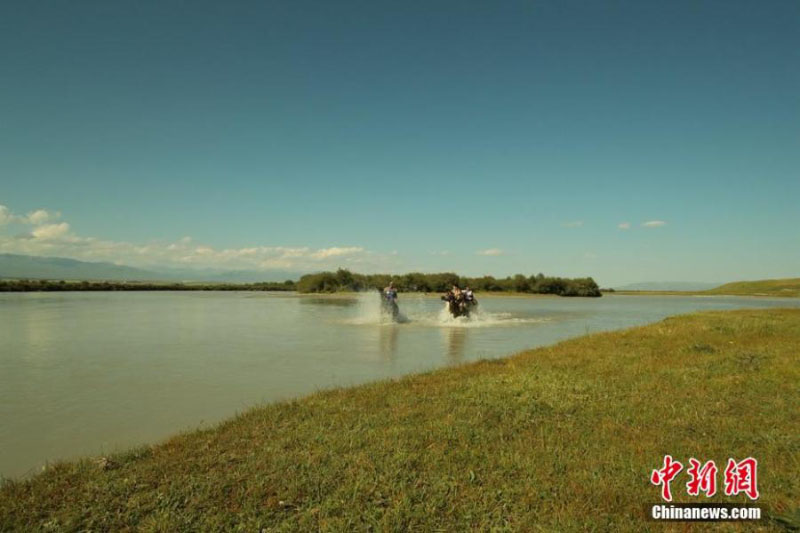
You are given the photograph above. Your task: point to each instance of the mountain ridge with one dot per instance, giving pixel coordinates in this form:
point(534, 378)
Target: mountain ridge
point(17, 266)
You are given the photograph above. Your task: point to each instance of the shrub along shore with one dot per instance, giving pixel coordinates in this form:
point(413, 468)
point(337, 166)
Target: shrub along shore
point(344, 280)
point(561, 438)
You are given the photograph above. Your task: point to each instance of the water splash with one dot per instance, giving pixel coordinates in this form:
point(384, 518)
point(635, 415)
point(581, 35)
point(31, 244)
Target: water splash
point(480, 318)
point(369, 311)
point(417, 311)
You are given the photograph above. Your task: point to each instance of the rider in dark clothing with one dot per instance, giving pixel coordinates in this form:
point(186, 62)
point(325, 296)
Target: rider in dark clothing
point(469, 296)
point(389, 300)
point(457, 301)
point(390, 293)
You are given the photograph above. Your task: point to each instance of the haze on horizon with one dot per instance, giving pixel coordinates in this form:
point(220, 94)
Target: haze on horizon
point(629, 141)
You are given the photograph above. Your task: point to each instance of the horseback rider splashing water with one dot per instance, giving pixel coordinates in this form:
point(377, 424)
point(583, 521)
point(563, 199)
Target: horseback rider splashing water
point(459, 303)
point(389, 301)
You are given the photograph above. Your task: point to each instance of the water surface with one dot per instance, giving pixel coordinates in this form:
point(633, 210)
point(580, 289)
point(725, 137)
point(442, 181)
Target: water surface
point(93, 373)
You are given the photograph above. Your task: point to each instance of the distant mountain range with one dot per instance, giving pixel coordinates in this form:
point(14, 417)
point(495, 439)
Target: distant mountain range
point(13, 266)
point(667, 286)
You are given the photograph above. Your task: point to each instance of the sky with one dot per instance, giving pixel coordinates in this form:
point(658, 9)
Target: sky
point(625, 140)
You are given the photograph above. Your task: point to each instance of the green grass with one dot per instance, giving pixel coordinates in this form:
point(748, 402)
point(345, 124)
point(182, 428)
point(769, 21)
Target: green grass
point(766, 287)
point(560, 438)
point(789, 288)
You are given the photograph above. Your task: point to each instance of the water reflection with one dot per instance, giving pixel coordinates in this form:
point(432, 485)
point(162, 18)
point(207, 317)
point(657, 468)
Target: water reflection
point(455, 341)
point(387, 342)
point(336, 301)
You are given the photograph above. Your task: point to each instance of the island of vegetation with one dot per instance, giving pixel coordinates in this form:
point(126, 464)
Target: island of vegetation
point(340, 281)
point(344, 280)
point(530, 442)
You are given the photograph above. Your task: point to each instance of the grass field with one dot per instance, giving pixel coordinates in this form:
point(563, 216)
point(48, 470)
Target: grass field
point(560, 438)
point(768, 287)
point(789, 288)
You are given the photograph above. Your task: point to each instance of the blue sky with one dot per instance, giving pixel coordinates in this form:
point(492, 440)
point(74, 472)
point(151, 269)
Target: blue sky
point(479, 137)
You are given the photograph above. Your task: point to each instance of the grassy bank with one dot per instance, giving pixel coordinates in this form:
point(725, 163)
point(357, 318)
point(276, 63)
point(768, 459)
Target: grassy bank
point(787, 288)
point(767, 287)
point(559, 438)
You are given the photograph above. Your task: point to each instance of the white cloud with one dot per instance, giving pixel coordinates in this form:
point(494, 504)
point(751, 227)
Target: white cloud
point(41, 216)
point(590, 255)
point(624, 225)
point(56, 239)
point(336, 252)
point(441, 252)
point(35, 218)
point(573, 224)
point(490, 252)
point(653, 224)
point(51, 231)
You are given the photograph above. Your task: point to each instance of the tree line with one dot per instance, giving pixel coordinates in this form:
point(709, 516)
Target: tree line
point(341, 280)
point(43, 285)
point(344, 280)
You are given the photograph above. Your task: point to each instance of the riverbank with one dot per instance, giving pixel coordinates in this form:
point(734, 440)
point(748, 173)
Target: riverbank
point(288, 286)
point(784, 288)
point(785, 294)
point(561, 437)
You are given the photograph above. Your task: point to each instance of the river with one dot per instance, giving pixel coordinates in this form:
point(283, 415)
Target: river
point(93, 373)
